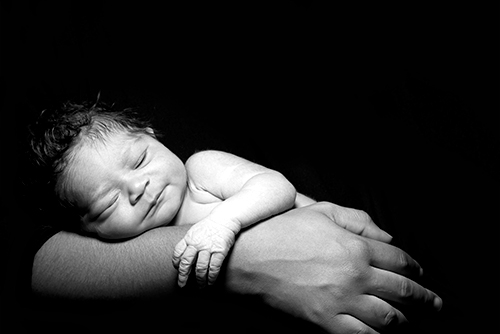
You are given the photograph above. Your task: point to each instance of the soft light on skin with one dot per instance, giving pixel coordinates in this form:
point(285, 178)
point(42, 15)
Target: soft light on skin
point(126, 184)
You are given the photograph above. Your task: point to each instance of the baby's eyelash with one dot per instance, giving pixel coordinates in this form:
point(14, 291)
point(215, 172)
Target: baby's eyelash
point(141, 160)
point(109, 205)
point(113, 201)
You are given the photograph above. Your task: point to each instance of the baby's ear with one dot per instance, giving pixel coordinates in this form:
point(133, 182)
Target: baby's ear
point(151, 132)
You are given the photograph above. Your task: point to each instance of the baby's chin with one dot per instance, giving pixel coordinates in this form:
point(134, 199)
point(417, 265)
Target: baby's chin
point(170, 204)
point(164, 214)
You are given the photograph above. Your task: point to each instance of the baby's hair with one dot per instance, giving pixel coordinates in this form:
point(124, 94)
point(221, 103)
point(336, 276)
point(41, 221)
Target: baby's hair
point(56, 133)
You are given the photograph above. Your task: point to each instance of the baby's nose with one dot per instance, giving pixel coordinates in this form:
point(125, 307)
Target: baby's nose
point(137, 190)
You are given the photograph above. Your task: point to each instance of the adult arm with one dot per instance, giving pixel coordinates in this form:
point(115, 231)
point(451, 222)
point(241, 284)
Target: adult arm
point(301, 262)
point(71, 266)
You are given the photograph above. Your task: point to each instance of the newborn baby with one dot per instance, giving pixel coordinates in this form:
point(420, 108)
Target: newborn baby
point(109, 167)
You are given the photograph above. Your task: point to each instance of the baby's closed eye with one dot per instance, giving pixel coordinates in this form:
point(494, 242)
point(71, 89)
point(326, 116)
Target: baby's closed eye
point(104, 210)
point(141, 160)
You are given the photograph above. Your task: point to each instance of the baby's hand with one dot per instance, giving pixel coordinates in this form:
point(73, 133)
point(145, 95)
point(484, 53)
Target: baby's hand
point(210, 241)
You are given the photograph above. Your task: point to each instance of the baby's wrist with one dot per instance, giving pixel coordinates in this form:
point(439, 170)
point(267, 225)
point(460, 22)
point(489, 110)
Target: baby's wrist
point(232, 224)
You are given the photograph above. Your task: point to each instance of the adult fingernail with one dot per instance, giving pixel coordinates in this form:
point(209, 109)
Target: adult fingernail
point(438, 303)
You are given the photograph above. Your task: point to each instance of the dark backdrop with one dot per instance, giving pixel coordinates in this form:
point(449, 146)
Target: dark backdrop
point(392, 109)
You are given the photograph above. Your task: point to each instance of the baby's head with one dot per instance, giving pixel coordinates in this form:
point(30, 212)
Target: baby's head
point(108, 167)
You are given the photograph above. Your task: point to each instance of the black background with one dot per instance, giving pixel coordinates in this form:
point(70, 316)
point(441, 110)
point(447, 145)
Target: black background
point(390, 108)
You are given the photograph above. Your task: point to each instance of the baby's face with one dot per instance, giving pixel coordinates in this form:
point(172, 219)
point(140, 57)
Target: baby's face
point(127, 185)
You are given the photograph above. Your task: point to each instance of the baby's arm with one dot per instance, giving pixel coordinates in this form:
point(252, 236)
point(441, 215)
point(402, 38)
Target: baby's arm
point(249, 193)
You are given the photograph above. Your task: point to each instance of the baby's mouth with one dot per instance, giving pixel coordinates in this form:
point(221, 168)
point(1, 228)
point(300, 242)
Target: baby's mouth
point(154, 203)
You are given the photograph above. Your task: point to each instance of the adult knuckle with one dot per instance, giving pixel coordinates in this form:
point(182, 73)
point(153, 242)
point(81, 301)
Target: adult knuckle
point(328, 209)
point(404, 261)
point(358, 247)
point(362, 215)
point(356, 263)
point(405, 288)
point(390, 318)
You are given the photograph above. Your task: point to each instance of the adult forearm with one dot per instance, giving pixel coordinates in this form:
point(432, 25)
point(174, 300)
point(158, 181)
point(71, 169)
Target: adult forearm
point(71, 266)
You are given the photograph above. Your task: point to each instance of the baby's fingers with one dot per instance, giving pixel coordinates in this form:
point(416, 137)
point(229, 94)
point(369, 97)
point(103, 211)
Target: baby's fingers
point(215, 265)
point(185, 264)
point(178, 251)
point(202, 268)
point(208, 264)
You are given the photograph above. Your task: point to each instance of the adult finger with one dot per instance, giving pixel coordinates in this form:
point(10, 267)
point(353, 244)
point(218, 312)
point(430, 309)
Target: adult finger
point(394, 287)
point(376, 313)
point(185, 265)
point(393, 259)
point(345, 323)
point(356, 221)
point(202, 267)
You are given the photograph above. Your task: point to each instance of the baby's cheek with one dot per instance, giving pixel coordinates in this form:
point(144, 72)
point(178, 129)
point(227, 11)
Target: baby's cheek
point(125, 224)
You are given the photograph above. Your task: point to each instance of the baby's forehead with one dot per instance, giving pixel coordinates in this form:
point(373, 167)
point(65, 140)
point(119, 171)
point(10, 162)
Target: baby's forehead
point(118, 137)
point(112, 149)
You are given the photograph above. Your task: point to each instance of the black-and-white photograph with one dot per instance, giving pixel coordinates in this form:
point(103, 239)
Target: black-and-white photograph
point(244, 167)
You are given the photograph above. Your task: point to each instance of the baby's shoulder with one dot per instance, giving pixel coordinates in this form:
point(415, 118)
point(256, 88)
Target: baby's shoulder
point(197, 205)
point(202, 160)
point(197, 194)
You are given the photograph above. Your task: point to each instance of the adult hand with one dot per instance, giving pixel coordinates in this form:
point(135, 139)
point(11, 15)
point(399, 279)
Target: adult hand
point(319, 271)
point(356, 221)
